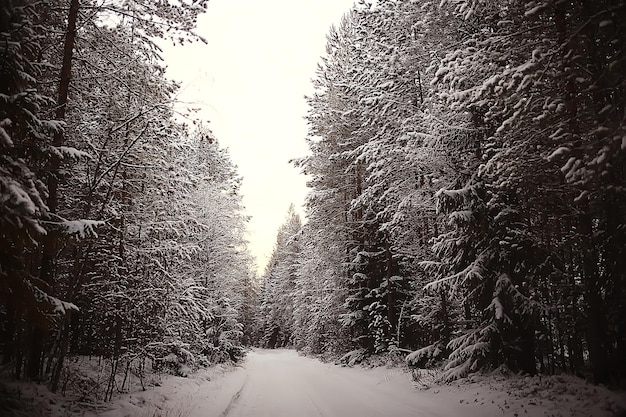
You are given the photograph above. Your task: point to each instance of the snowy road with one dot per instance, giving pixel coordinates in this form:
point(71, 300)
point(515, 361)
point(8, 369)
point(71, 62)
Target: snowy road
point(282, 383)
point(276, 383)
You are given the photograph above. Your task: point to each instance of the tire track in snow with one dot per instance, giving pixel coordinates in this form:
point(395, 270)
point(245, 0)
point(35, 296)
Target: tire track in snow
point(235, 399)
point(317, 408)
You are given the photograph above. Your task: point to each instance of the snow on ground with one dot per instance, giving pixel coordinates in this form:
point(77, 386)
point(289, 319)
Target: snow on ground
point(539, 396)
point(205, 393)
point(282, 383)
point(276, 383)
point(164, 396)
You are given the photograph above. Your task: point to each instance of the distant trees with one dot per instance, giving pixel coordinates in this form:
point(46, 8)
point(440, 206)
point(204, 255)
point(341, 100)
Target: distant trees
point(109, 209)
point(278, 289)
point(467, 175)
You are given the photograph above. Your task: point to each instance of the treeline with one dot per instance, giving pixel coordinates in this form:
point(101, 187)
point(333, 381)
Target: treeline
point(468, 200)
point(121, 231)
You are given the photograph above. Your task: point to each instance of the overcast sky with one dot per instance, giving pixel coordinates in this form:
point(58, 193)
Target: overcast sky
point(249, 82)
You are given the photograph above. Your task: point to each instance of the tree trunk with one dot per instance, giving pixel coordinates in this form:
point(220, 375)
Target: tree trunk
point(391, 302)
point(446, 329)
point(10, 332)
point(596, 318)
point(527, 345)
point(47, 270)
point(63, 349)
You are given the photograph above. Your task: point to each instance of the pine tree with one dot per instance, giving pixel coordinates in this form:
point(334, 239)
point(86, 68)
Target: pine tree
point(25, 211)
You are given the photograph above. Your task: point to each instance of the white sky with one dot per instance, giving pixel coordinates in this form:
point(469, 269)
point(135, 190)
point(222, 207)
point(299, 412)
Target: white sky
point(249, 82)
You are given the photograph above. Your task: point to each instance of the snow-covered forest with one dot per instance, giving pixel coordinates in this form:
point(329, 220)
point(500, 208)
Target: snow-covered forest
point(467, 205)
point(122, 230)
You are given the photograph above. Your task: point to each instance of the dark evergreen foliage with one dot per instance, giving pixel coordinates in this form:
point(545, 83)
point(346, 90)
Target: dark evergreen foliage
point(467, 199)
point(114, 212)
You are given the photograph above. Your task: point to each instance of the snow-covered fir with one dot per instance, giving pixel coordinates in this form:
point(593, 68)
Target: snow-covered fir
point(462, 249)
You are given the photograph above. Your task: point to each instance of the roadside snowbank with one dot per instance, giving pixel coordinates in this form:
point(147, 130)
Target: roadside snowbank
point(538, 396)
point(164, 395)
point(207, 389)
point(213, 392)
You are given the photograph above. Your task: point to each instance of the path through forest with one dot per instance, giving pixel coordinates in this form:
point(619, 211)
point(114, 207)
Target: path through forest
point(279, 382)
point(282, 383)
